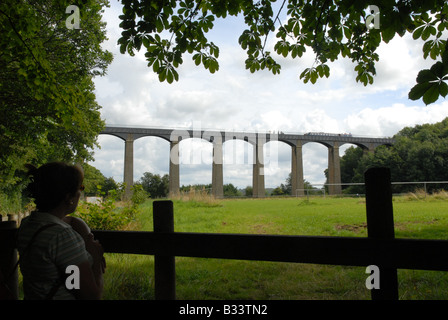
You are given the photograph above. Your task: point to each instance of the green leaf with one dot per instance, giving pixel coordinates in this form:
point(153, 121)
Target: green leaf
point(439, 69)
point(197, 58)
point(313, 76)
point(169, 76)
point(309, 74)
point(387, 33)
point(214, 50)
point(445, 56)
point(418, 90)
point(243, 39)
point(252, 64)
point(443, 89)
point(282, 47)
point(304, 75)
point(212, 64)
point(432, 94)
point(276, 68)
point(426, 76)
point(320, 70)
point(428, 31)
point(417, 33)
point(347, 32)
point(156, 65)
point(323, 70)
point(326, 70)
point(162, 74)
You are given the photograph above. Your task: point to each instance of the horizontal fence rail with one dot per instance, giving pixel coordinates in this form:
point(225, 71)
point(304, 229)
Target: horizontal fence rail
point(348, 251)
point(379, 248)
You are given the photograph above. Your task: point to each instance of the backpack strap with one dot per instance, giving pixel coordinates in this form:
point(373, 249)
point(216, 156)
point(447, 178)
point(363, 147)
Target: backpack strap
point(4, 280)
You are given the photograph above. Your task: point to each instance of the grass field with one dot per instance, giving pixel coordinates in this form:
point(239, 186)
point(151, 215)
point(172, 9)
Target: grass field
point(132, 276)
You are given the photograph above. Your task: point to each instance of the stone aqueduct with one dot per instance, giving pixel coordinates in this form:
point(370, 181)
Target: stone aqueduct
point(217, 138)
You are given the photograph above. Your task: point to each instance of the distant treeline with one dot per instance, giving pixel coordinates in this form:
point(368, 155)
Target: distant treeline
point(420, 153)
point(157, 186)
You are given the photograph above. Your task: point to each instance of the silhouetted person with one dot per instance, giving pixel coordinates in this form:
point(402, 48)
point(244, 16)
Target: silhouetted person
point(49, 241)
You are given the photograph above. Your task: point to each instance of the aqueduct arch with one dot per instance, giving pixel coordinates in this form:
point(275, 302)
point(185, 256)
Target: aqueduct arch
point(257, 139)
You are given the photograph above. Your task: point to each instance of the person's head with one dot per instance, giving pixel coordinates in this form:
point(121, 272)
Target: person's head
point(55, 184)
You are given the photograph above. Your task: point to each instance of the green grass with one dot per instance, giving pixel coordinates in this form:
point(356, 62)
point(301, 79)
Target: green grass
point(132, 276)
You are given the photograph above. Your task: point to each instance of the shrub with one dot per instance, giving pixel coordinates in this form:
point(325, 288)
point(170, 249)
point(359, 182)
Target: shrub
point(10, 204)
point(107, 215)
point(101, 216)
point(139, 195)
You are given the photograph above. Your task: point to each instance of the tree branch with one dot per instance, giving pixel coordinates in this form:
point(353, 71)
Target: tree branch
point(276, 18)
point(21, 39)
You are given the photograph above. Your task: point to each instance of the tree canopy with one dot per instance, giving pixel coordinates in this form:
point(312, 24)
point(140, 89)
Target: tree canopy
point(354, 29)
point(48, 109)
point(286, 188)
point(420, 153)
point(154, 184)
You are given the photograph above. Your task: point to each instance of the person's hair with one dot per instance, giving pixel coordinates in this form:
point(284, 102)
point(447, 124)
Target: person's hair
point(51, 183)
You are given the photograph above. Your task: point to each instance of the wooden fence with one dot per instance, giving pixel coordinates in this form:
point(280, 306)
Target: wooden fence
point(379, 248)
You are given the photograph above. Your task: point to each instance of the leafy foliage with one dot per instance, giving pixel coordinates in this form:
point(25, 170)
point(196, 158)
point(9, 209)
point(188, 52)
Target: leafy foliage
point(47, 105)
point(332, 29)
point(107, 215)
point(420, 153)
point(286, 189)
point(102, 216)
point(155, 185)
point(431, 82)
point(96, 184)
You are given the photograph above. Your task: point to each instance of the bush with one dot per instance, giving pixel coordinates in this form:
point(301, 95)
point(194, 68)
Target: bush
point(102, 216)
point(10, 204)
point(106, 215)
point(139, 195)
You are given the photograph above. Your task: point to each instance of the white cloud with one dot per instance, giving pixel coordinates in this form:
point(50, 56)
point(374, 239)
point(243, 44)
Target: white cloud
point(234, 98)
point(317, 120)
point(387, 121)
point(276, 120)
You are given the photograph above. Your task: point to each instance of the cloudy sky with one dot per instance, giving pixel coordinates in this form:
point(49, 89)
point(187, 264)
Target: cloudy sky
point(235, 99)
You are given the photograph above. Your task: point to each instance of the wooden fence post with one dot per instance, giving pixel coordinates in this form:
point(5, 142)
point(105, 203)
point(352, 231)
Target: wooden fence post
point(164, 265)
point(8, 256)
point(380, 225)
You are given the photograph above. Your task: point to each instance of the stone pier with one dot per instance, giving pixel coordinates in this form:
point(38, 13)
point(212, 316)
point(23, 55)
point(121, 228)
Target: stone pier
point(334, 169)
point(257, 140)
point(297, 182)
point(174, 176)
point(217, 170)
point(258, 187)
point(128, 178)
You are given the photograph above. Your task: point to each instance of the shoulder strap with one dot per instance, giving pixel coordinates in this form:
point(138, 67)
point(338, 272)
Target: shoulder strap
point(35, 236)
point(29, 245)
point(4, 280)
point(61, 281)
